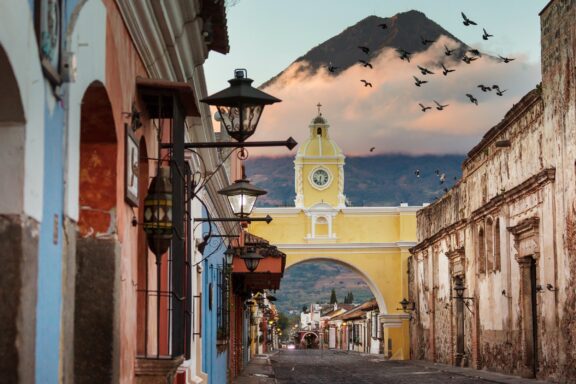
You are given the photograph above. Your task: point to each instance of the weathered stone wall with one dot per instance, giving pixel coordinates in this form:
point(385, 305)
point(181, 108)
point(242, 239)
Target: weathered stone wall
point(18, 291)
point(513, 217)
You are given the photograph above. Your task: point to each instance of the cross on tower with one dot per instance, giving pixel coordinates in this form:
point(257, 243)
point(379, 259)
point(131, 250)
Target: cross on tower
point(319, 106)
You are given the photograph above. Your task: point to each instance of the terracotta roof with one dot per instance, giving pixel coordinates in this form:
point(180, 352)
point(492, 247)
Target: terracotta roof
point(358, 311)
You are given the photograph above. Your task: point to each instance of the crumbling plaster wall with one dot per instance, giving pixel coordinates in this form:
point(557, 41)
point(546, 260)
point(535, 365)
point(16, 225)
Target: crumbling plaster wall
point(533, 177)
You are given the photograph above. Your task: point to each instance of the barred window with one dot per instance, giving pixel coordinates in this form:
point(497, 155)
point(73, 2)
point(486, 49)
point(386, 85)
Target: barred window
point(222, 303)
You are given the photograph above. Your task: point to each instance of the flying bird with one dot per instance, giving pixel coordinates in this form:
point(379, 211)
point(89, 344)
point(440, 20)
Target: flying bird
point(437, 172)
point(486, 35)
point(468, 59)
point(372, 149)
point(365, 63)
point(467, 21)
point(439, 106)
point(500, 93)
point(331, 68)
point(475, 52)
point(424, 108)
point(426, 41)
point(418, 81)
point(425, 71)
point(366, 50)
point(417, 173)
point(505, 59)
point(448, 51)
point(404, 55)
point(496, 87)
point(484, 88)
point(383, 26)
point(367, 83)
point(472, 99)
point(442, 178)
point(445, 70)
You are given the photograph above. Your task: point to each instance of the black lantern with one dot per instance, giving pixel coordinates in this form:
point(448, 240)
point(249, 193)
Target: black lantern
point(242, 197)
point(459, 288)
point(158, 213)
point(229, 253)
point(251, 259)
point(407, 306)
point(240, 105)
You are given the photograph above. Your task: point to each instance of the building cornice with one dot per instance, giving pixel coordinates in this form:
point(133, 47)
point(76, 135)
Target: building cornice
point(333, 246)
point(530, 185)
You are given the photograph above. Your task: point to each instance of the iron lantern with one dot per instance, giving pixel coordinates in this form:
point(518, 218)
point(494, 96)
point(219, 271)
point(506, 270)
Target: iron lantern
point(251, 259)
point(240, 105)
point(459, 288)
point(242, 197)
point(158, 212)
point(407, 306)
point(229, 253)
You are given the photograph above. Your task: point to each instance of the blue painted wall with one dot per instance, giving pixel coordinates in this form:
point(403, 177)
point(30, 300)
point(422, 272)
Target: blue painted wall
point(49, 299)
point(214, 363)
point(49, 304)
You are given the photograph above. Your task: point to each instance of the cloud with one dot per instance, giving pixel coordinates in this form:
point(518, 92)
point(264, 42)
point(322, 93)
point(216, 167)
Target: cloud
point(387, 115)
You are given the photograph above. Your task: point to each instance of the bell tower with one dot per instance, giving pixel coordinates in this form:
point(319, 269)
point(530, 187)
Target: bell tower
point(319, 168)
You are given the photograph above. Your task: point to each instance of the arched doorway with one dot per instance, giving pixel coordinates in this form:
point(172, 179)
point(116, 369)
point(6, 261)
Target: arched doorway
point(20, 245)
point(97, 246)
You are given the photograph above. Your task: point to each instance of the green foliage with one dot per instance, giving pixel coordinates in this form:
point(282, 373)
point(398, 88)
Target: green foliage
point(333, 298)
point(349, 298)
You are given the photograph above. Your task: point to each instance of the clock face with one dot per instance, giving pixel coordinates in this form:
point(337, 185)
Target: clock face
point(320, 177)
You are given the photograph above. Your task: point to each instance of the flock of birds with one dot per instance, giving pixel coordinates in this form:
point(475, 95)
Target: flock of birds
point(469, 56)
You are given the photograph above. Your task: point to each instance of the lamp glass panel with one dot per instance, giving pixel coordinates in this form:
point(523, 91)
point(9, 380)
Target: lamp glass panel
point(240, 121)
point(242, 204)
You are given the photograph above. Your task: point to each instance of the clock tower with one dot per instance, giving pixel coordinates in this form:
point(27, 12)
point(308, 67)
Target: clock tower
point(319, 169)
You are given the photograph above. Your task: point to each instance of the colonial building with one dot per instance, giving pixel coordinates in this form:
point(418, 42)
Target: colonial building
point(372, 241)
point(98, 98)
point(493, 276)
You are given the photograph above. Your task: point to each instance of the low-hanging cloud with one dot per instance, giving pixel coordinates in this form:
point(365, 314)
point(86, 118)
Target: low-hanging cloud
point(387, 116)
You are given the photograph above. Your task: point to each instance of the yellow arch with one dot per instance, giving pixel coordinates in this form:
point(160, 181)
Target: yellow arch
point(372, 241)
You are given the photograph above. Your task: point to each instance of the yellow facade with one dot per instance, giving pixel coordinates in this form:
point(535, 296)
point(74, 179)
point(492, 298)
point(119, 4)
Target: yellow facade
point(372, 241)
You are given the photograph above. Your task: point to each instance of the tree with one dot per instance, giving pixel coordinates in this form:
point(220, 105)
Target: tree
point(349, 299)
point(333, 299)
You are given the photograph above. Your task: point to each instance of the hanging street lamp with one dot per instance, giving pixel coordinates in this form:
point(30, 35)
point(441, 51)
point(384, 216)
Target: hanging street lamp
point(251, 259)
point(242, 197)
point(229, 253)
point(158, 213)
point(240, 105)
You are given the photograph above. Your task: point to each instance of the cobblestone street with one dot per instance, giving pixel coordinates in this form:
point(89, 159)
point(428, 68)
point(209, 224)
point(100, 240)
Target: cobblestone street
point(333, 367)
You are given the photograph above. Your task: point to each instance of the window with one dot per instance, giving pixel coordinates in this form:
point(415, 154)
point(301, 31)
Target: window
point(489, 245)
point(222, 301)
point(481, 248)
point(497, 258)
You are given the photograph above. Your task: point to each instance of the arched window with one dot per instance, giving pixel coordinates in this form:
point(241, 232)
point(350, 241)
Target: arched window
point(319, 131)
point(481, 257)
point(497, 258)
point(489, 245)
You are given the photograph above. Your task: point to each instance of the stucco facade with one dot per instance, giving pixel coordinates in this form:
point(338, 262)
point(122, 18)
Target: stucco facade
point(78, 267)
point(506, 233)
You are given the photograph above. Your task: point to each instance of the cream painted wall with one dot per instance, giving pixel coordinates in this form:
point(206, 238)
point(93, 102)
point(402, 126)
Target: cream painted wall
point(18, 40)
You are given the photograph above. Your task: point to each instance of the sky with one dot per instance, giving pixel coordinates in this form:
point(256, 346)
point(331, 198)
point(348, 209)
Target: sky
point(266, 36)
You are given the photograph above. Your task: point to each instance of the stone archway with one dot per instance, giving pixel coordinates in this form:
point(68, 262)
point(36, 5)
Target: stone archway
point(97, 246)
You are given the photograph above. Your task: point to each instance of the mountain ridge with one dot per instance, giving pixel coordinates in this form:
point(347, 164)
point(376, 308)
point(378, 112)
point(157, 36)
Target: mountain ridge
point(404, 31)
